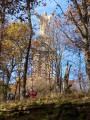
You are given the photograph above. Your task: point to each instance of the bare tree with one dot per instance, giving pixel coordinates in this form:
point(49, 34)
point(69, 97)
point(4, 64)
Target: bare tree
point(78, 14)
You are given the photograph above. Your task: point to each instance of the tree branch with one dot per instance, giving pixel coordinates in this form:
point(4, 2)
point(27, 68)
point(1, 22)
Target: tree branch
point(77, 25)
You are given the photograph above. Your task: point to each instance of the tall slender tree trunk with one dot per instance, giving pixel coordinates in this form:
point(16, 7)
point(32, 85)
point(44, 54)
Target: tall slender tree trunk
point(3, 87)
point(85, 32)
point(79, 72)
point(66, 78)
point(2, 15)
point(1, 36)
point(16, 87)
point(7, 85)
point(87, 61)
point(28, 49)
point(19, 84)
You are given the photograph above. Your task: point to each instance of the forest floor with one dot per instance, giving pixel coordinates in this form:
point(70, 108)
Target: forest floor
point(57, 107)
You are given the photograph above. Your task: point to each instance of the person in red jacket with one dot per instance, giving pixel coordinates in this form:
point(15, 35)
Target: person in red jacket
point(33, 94)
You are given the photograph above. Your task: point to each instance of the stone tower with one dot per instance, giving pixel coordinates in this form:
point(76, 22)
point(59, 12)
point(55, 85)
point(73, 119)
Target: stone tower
point(42, 61)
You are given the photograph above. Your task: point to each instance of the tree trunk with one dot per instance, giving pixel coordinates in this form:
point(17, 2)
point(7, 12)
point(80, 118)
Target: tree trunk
point(4, 89)
point(2, 23)
point(28, 49)
point(85, 32)
point(79, 72)
point(16, 89)
point(7, 85)
point(66, 78)
point(19, 84)
point(87, 61)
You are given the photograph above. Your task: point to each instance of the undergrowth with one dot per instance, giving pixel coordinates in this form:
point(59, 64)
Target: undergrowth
point(55, 107)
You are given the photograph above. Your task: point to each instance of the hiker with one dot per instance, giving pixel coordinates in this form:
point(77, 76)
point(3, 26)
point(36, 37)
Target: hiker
point(27, 94)
point(11, 97)
point(33, 94)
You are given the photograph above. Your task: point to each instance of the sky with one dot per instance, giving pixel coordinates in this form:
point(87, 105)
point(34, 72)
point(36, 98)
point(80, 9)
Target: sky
point(51, 6)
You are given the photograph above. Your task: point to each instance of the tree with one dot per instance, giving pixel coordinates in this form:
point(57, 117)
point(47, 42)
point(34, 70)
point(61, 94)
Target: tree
point(29, 6)
point(6, 8)
point(14, 7)
point(78, 15)
point(81, 21)
point(58, 52)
